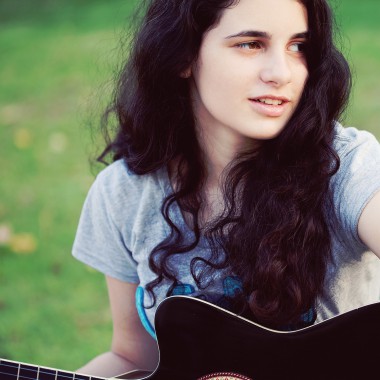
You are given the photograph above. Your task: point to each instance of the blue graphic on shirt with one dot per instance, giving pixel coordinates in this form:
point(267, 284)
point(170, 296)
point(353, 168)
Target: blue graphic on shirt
point(232, 286)
point(309, 317)
point(182, 290)
point(306, 319)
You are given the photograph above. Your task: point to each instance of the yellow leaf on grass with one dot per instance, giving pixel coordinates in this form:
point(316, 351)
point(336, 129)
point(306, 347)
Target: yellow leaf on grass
point(22, 138)
point(23, 243)
point(5, 234)
point(58, 142)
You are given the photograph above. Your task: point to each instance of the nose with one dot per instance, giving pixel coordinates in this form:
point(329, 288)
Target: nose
point(276, 69)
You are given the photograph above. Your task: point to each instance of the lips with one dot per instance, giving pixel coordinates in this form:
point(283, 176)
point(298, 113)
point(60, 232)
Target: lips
point(269, 105)
point(273, 102)
point(283, 99)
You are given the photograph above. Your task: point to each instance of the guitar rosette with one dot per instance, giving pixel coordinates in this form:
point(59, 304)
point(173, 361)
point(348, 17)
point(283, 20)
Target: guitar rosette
point(224, 376)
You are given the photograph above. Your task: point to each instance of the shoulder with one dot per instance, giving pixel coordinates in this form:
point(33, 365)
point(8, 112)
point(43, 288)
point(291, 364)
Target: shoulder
point(125, 196)
point(359, 154)
point(358, 177)
point(117, 181)
point(350, 140)
point(117, 175)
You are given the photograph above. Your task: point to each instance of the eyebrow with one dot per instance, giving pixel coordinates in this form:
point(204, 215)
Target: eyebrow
point(256, 33)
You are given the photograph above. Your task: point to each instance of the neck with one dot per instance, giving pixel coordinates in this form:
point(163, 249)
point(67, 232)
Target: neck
point(219, 149)
point(220, 146)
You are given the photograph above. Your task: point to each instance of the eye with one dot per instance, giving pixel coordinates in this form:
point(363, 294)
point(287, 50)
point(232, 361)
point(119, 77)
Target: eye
point(252, 45)
point(297, 47)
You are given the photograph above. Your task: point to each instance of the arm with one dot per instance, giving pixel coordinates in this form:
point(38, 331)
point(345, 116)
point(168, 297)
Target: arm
point(369, 225)
point(132, 347)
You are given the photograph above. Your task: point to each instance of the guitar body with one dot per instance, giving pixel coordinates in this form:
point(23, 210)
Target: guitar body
point(197, 340)
point(200, 341)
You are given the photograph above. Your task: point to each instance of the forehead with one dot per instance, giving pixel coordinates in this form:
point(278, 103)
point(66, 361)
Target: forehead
point(265, 15)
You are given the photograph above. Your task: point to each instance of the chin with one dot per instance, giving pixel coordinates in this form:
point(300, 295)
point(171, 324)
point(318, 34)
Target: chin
point(267, 134)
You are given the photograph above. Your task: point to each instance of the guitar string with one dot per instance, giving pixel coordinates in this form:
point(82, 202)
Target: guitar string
point(36, 378)
point(43, 371)
point(40, 370)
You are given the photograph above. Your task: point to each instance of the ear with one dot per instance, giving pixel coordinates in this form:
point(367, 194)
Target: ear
point(186, 74)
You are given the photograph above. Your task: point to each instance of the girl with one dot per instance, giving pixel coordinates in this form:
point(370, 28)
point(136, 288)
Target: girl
point(232, 179)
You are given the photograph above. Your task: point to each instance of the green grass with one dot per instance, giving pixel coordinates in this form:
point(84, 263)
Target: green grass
point(360, 29)
point(54, 58)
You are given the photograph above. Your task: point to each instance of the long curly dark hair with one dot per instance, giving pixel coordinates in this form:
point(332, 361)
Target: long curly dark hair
point(274, 230)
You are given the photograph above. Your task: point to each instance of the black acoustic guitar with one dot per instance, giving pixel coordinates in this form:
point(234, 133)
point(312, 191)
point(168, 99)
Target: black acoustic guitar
point(200, 341)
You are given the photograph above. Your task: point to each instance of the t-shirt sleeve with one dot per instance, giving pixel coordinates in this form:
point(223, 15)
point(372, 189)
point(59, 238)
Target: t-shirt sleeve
point(99, 241)
point(358, 178)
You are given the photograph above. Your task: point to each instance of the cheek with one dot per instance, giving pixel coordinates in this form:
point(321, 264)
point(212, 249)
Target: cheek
point(223, 82)
point(213, 75)
point(217, 70)
point(302, 75)
point(215, 84)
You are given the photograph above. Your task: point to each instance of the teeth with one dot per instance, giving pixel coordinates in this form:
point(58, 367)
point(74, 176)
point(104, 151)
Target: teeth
point(271, 101)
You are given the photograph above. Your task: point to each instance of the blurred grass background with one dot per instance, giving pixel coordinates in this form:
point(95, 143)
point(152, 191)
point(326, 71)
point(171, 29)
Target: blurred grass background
point(57, 59)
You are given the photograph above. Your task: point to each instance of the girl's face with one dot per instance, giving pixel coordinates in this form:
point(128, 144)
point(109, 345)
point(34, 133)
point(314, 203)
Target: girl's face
point(251, 70)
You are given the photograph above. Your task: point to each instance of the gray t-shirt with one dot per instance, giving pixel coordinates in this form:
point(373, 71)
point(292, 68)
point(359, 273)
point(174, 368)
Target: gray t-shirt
point(121, 223)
